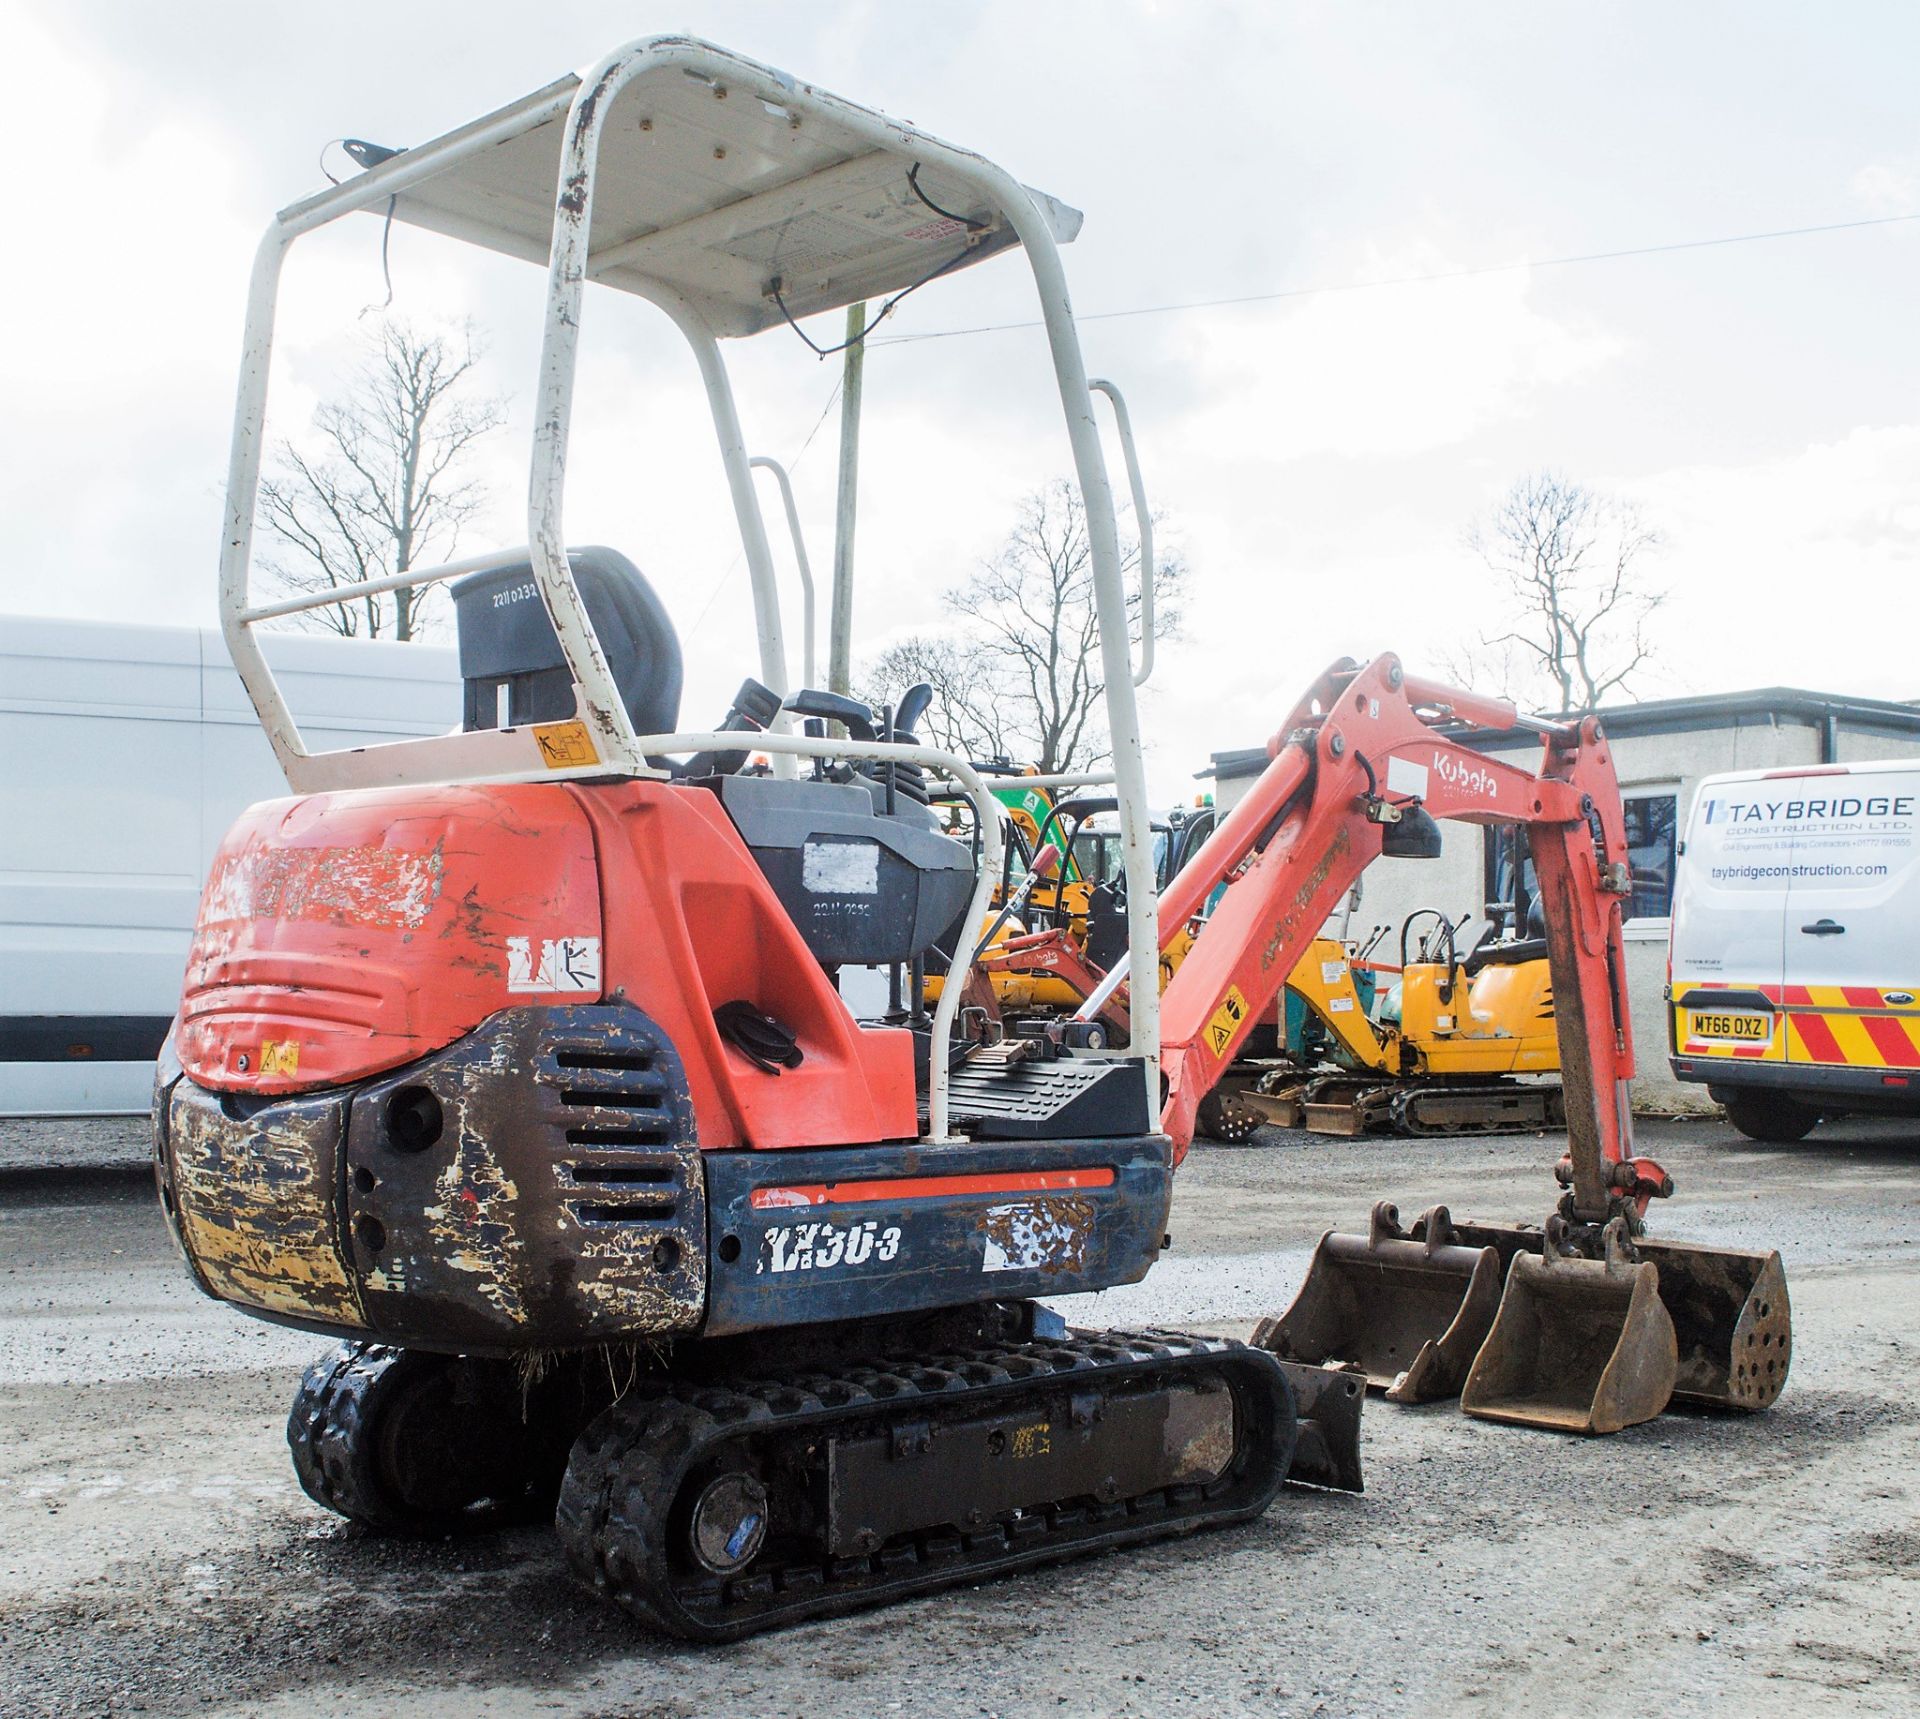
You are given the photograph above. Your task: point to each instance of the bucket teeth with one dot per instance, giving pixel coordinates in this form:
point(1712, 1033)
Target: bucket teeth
point(1579, 1345)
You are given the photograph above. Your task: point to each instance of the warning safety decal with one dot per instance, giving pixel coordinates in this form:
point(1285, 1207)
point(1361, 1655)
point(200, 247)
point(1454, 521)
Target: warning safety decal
point(565, 745)
point(1226, 1021)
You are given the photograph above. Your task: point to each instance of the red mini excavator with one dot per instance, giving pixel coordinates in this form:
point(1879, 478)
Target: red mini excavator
point(514, 1058)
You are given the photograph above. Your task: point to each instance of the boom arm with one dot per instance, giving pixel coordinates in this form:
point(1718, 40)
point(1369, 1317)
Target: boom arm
point(1358, 755)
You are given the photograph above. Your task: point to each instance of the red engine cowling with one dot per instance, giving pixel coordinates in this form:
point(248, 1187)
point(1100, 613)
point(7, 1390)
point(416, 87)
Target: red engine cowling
point(344, 935)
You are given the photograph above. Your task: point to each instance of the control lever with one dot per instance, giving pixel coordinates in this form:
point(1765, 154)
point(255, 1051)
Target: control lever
point(753, 709)
point(857, 717)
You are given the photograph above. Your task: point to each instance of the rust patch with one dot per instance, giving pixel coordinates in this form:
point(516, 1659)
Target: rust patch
point(1290, 921)
point(256, 1206)
point(1048, 1233)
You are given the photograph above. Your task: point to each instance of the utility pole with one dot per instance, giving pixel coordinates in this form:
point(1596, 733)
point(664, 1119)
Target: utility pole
point(840, 645)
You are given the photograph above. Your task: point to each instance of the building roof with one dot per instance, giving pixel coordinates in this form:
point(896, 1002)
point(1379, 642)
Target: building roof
point(1761, 705)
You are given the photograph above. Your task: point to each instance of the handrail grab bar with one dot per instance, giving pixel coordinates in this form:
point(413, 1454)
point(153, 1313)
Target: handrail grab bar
point(391, 582)
point(1142, 520)
point(800, 560)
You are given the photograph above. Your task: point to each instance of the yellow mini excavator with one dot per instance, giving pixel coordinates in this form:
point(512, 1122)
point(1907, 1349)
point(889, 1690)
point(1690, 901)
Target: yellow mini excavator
point(1448, 1049)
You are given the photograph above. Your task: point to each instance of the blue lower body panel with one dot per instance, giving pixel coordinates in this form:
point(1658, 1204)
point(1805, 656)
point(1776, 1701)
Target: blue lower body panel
point(802, 1238)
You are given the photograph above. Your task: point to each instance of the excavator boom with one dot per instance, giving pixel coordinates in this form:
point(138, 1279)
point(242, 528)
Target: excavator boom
point(1584, 1336)
point(1361, 761)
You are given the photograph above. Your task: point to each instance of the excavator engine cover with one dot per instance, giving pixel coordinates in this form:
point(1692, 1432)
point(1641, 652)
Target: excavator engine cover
point(1579, 1345)
point(1411, 1315)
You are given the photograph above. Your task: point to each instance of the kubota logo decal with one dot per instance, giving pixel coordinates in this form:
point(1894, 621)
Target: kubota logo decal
point(1466, 778)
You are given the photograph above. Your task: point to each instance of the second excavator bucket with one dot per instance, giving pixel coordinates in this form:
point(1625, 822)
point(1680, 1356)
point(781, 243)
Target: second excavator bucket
point(1731, 1320)
point(1579, 1345)
point(1411, 1314)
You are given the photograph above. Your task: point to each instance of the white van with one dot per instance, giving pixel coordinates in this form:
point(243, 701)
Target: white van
point(125, 754)
point(1795, 964)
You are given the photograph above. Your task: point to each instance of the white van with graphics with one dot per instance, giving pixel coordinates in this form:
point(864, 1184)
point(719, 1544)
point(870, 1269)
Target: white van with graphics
point(1795, 964)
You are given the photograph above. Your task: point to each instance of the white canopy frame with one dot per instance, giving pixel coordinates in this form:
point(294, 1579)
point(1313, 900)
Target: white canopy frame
point(697, 288)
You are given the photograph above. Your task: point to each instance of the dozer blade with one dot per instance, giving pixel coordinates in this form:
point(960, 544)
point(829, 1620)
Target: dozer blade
point(1731, 1320)
point(1410, 1314)
point(1327, 1402)
point(1579, 1345)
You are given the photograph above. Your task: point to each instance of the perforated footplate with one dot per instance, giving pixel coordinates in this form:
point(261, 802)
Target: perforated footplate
point(1069, 1099)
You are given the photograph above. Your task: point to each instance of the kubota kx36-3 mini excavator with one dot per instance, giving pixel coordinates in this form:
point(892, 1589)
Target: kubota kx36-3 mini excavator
point(513, 1056)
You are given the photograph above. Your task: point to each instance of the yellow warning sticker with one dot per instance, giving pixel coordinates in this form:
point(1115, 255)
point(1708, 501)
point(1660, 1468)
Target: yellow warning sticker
point(1226, 1021)
point(280, 1056)
point(1034, 1440)
point(563, 745)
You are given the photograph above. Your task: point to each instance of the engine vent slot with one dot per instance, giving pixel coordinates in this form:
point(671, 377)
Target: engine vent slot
point(639, 1060)
point(642, 1212)
point(605, 1098)
point(620, 1175)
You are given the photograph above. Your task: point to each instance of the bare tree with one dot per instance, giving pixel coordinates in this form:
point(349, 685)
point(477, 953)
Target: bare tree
point(380, 489)
point(1574, 564)
point(1020, 674)
point(966, 713)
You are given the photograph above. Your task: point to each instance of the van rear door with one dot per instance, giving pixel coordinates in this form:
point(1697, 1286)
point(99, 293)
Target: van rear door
point(1729, 920)
point(1853, 916)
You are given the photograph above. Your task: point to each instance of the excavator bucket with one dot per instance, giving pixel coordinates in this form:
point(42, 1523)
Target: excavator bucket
point(1731, 1320)
point(1579, 1345)
point(1411, 1314)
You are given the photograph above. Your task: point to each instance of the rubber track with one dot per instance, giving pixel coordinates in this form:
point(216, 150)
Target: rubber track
point(325, 1430)
point(1406, 1105)
point(331, 1435)
point(630, 1464)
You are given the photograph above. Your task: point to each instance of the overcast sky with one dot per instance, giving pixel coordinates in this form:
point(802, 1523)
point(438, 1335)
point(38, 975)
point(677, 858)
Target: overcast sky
point(1318, 457)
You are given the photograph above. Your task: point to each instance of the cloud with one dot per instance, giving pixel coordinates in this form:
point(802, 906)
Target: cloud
point(1386, 372)
point(1792, 570)
point(1888, 187)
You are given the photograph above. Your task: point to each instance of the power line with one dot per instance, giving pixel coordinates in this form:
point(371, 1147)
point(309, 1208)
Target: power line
point(1406, 280)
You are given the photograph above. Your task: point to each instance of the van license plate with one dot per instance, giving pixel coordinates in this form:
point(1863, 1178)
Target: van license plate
point(1742, 1029)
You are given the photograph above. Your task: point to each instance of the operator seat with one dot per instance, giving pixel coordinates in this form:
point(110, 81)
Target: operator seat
point(507, 642)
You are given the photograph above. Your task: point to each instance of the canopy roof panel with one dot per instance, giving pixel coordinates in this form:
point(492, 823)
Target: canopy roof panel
point(719, 177)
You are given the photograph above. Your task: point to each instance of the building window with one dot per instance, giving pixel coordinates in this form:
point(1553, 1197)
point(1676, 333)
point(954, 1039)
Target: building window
point(1651, 823)
point(1650, 831)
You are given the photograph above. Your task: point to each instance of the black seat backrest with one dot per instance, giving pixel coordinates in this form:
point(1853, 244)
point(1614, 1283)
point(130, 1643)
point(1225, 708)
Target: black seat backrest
point(506, 640)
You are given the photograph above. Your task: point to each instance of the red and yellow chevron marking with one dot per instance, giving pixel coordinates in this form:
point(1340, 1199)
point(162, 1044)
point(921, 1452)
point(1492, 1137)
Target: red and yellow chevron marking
point(1845, 1026)
point(1851, 1025)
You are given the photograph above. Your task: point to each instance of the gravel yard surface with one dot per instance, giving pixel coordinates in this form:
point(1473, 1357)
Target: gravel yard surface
point(156, 1554)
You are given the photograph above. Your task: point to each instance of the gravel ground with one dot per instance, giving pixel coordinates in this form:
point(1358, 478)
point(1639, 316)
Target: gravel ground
point(155, 1554)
